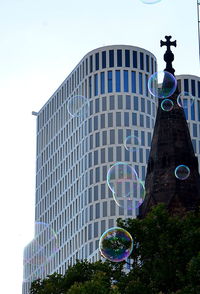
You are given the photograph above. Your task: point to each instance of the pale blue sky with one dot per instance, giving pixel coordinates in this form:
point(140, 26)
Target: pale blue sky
point(41, 42)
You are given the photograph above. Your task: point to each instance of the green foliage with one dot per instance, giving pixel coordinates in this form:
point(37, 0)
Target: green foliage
point(165, 260)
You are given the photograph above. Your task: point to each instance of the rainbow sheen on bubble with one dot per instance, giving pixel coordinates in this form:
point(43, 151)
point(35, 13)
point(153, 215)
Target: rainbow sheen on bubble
point(167, 105)
point(116, 244)
point(127, 188)
point(150, 1)
point(162, 84)
point(186, 101)
point(78, 106)
point(132, 143)
point(182, 172)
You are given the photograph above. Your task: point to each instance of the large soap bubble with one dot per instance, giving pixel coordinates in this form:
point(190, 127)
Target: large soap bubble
point(116, 244)
point(78, 106)
point(132, 143)
point(128, 190)
point(162, 84)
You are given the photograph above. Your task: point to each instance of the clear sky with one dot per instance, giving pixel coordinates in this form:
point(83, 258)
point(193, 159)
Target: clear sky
point(41, 42)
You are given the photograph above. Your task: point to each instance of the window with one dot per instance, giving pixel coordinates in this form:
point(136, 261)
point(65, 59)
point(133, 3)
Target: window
point(104, 59)
point(135, 103)
point(96, 105)
point(186, 86)
point(140, 83)
point(142, 138)
point(110, 120)
point(198, 108)
point(96, 230)
point(118, 119)
point(110, 154)
point(97, 140)
point(192, 110)
point(120, 102)
point(133, 81)
point(134, 119)
point(104, 104)
point(103, 191)
point(86, 66)
point(97, 208)
point(152, 68)
point(125, 80)
point(118, 81)
point(141, 60)
point(135, 59)
point(141, 155)
point(127, 58)
point(111, 58)
point(193, 87)
point(96, 124)
point(90, 87)
point(109, 81)
point(112, 102)
point(91, 63)
point(147, 122)
point(91, 212)
point(148, 107)
point(104, 135)
point(149, 139)
point(120, 136)
point(128, 102)
point(112, 207)
point(126, 119)
point(141, 120)
point(104, 208)
point(142, 105)
point(112, 137)
point(147, 63)
point(199, 89)
point(194, 130)
point(102, 82)
point(95, 84)
point(118, 152)
point(91, 141)
point(103, 155)
point(102, 120)
point(146, 85)
point(97, 61)
point(119, 57)
point(97, 174)
point(96, 157)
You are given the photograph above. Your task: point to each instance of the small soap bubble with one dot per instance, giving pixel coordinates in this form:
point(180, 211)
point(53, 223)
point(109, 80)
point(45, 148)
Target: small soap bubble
point(182, 172)
point(116, 244)
point(162, 84)
point(78, 106)
point(185, 100)
point(167, 105)
point(127, 188)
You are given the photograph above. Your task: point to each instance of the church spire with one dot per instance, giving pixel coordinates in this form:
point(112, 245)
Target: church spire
point(171, 146)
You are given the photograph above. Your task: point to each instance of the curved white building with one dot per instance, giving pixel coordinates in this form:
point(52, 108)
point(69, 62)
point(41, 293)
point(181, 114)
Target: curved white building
point(73, 156)
point(191, 84)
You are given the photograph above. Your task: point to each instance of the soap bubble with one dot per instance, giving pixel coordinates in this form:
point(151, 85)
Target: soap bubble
point(182, 172)
point(78, 106)
point(167, 105)
point(185, 100)
point(116, 244)
point(162, 84)
point(39, 251)
point(132, 143)
point(128, 190)
point(150, 1)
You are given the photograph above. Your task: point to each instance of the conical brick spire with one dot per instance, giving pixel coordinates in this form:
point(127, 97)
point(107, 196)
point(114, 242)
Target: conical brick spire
point(171, 146)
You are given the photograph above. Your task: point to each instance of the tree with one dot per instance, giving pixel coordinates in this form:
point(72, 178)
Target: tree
point(165, 260)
